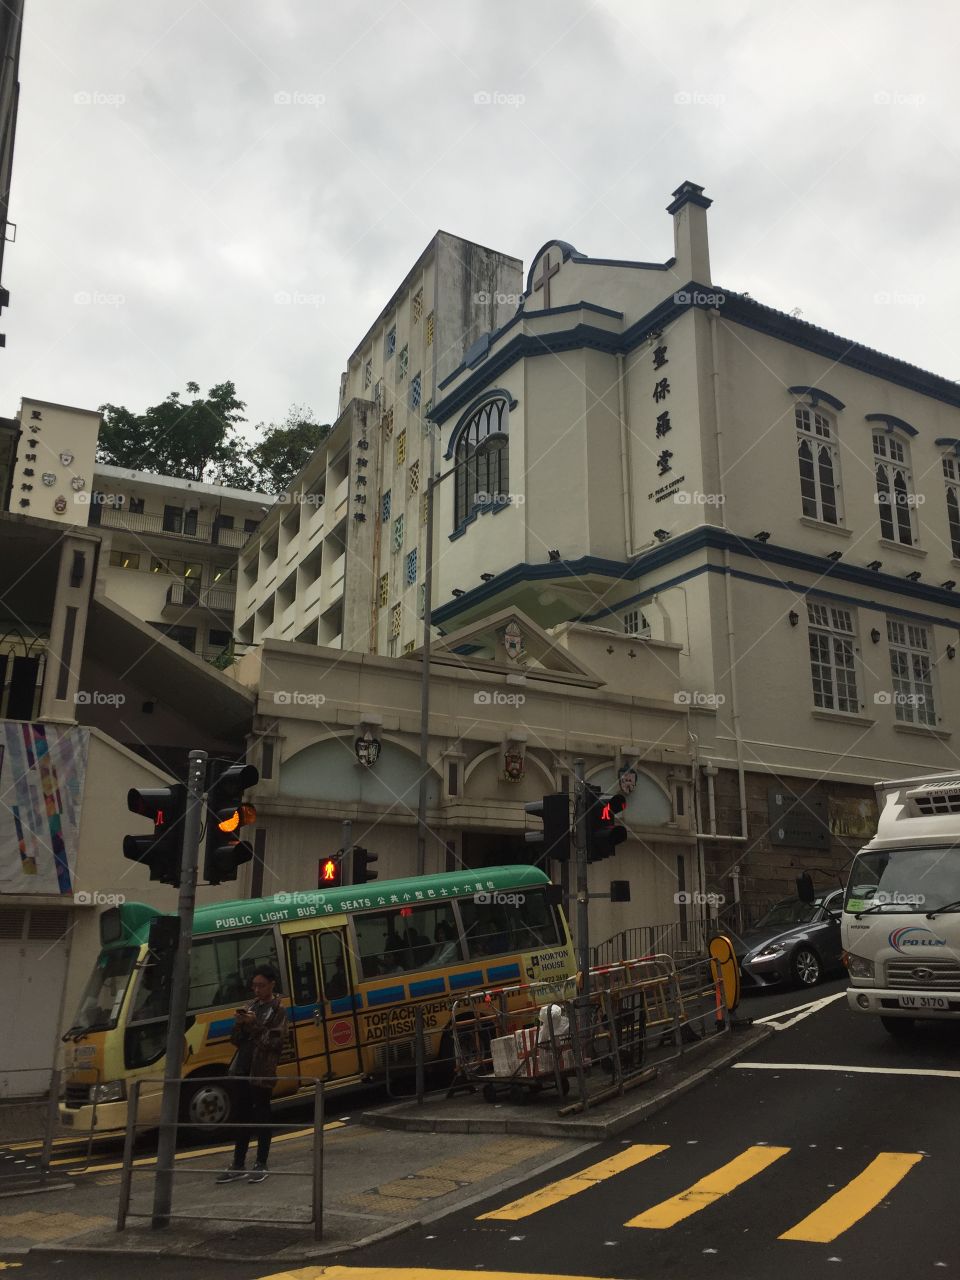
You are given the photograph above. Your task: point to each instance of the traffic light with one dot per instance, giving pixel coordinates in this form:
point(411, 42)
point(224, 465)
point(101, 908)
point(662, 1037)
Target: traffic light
point(603, 831)
point(330, 871)
point(554, 812)
point(161, 852)
point(362, 862)
point(224, 851)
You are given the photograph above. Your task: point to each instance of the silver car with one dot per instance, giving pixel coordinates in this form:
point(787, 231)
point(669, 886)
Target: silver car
point(795, 942)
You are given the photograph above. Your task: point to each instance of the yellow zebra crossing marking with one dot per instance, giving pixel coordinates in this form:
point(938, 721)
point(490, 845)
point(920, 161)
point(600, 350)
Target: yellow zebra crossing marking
point(854, 1201)
point(563, 1189)
point(709, 1189)
point(836, 1215)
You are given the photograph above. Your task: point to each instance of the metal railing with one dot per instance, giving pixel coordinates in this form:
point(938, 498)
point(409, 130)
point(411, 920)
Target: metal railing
point(216, 599)
point(679, 938)
point(314, 1173)
point(112, 517)
point(52, 1129)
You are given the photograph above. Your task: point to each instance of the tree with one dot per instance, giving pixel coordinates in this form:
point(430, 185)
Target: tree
point(192, 439)
point(285, 449)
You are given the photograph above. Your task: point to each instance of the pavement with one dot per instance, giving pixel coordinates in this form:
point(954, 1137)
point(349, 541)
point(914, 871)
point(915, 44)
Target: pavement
point(395, 1170)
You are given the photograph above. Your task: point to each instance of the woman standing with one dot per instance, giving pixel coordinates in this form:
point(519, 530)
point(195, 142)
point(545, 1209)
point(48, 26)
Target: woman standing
point(260, 1034)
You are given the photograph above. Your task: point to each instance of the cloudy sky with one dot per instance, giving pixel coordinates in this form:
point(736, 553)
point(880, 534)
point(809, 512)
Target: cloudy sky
point(181, 163)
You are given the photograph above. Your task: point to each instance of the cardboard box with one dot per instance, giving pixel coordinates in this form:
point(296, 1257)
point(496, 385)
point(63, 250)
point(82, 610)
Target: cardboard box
point(504, 1053)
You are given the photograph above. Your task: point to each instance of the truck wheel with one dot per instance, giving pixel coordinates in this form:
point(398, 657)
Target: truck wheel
point(899, 1028)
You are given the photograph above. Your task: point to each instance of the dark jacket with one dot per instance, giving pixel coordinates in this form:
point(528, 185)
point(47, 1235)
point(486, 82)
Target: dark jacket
point(263, 1042)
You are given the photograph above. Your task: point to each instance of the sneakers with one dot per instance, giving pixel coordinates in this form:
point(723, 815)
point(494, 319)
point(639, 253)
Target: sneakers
point(231, 1175)
point(258, 1174)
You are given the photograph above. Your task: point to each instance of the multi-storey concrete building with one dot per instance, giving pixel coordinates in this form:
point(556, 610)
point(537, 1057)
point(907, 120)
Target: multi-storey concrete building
point(169, 546)
point(170, 551)
point(341, 563)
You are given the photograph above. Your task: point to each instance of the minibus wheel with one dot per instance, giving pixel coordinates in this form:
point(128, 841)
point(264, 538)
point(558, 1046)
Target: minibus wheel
point(205, 1104)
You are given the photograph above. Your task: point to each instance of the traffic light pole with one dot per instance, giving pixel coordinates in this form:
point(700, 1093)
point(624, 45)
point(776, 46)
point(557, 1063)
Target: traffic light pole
point(180, 990)
point(346, 858)
point(583, 895)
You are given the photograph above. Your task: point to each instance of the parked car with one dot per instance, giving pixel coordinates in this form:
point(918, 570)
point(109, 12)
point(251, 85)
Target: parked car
point(795, 942)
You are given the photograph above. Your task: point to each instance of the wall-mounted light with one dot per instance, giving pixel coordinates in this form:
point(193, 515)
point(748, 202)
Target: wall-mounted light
point(487, 577)
point(914, 577)
point(762, 536)
point(948, 585)
point(793, 617)
point(457, 591)
point(951, 652)
point(875, 565)
point(875, 636)
point(835, 556)
point(554, 555)
point(661, 535)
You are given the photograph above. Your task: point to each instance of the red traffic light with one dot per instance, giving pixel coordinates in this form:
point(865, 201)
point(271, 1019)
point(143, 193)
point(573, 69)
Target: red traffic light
point(328, 873)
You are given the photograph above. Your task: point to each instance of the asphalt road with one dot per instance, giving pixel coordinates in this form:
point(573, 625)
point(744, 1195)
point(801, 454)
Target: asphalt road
point(771, 1169)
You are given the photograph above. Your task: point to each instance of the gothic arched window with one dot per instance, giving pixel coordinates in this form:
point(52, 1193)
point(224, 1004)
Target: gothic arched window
point(482, 460)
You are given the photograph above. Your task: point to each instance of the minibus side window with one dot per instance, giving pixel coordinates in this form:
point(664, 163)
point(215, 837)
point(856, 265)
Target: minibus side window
point(407, 938)
point(221, 968)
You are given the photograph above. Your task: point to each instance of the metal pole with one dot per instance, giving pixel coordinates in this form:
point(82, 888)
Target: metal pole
point(318, 1161)
point(583, 896)
point(126, 1173)
point(425, 668)
point(418, 1054)
point(53, 1114)
point(179, 992)
point(346, 840)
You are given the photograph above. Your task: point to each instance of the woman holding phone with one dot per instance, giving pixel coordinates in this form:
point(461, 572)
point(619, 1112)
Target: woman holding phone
point(260, 1034)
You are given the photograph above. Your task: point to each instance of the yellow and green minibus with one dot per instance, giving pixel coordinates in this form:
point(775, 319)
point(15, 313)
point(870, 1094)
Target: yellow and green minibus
point(354, 963)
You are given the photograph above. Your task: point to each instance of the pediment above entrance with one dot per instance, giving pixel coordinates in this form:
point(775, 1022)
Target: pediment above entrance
point(509, 641)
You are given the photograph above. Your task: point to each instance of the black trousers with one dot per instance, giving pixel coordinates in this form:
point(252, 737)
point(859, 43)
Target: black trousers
point(253, 1108)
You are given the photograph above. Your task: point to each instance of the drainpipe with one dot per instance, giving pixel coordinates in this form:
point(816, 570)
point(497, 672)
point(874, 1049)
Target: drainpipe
point(625, 472)
point(728, 592)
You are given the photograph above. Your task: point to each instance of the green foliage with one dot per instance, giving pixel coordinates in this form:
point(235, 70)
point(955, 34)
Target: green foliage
point(197, 439)
point(193, 439)
point(285, 449)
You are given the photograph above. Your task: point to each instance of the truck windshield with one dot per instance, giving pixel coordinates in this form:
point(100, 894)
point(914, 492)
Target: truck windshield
point(904, 880)
point(101, 1001)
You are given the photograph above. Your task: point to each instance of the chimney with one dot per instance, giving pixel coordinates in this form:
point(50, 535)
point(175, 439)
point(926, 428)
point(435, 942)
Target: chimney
point(690, 242)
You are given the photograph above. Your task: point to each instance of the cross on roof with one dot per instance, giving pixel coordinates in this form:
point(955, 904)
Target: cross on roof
point(546, 273)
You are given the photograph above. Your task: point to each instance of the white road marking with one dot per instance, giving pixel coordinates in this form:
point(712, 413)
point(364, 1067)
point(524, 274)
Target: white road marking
point(839, 1066)
point(789, 1017)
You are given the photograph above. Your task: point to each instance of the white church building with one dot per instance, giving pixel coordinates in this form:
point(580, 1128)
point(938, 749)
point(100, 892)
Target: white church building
point(638, 450)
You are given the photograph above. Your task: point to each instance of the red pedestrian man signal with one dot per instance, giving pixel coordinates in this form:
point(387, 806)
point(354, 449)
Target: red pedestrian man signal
point(328, 873)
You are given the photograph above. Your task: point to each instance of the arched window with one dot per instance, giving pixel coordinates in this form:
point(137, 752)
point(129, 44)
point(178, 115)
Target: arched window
point(819, 465)
point(482, 461)
point(895, 497)
point(951, 476)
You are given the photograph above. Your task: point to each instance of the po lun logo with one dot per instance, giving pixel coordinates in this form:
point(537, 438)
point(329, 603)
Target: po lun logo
point(912, 936)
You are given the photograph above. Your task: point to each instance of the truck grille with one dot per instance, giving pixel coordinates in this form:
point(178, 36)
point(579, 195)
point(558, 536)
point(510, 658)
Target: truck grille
point(927, 975)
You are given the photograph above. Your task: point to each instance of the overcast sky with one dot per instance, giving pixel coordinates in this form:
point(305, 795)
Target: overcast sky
point(179, 163)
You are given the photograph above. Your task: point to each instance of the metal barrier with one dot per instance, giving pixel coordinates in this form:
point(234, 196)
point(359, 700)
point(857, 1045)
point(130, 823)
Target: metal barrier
point(638, 1015)
point(52, 1128)
point(315, 1173)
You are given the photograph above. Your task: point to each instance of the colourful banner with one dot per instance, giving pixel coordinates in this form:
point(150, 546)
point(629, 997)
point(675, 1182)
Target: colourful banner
point(42, 769)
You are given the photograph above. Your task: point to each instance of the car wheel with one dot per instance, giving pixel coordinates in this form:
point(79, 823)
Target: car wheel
point(899, 1028)
point(805, 967)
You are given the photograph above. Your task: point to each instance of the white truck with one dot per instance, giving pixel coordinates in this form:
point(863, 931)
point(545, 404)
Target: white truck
point(901, 912)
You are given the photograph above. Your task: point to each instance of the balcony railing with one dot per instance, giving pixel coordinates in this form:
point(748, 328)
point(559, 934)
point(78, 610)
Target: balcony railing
point(190, 530)
point(184, 595)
